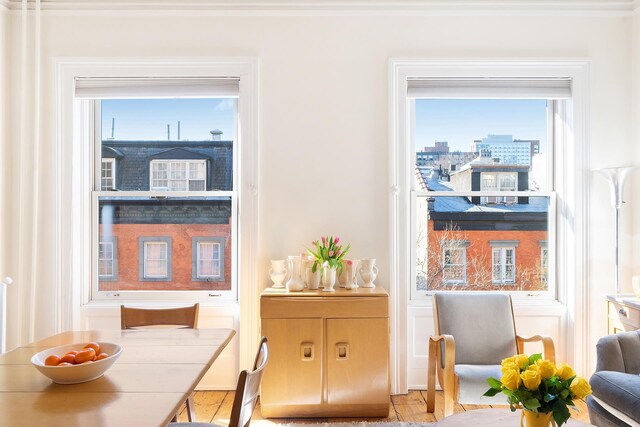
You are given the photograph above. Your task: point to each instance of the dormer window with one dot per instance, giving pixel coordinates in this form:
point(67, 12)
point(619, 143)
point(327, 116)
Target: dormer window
point(108, 174)
point(178, 175)
point(498, 181)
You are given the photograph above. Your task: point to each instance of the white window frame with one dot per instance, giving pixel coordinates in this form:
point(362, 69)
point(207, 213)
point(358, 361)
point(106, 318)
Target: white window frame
point(448, 267)
point(171, 163)
point(199, 260)
point(145, 260)
point(571, 186)
point(502, 262)
point(112, 162)
point(113, 260)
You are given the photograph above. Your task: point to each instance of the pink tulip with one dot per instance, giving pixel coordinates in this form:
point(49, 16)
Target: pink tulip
point(326, 244)
point(349, 263)
point(338, 253)
point(337, 240)
point(330, 253)
point(323, 240)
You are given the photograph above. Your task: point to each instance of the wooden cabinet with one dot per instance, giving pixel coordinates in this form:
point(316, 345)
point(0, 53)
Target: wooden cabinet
point(623, 313)
point(328, 353)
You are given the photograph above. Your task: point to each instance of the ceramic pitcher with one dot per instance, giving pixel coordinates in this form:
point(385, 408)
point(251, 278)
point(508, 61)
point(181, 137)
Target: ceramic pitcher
point(328, 278)
point(295, 282)
point(278, 272)
point(368, 272)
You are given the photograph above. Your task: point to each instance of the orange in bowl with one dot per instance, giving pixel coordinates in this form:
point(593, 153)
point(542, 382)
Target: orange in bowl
point(85, 369)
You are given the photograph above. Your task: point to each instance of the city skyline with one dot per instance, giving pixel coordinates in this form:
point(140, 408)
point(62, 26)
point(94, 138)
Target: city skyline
point(441, 119)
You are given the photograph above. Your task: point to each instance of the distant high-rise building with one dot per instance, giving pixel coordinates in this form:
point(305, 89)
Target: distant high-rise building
point(509, 151)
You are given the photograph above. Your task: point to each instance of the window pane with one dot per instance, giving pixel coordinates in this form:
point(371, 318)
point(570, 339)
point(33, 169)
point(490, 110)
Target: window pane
point(177, 219)
point(150, 157)
point(467, 243)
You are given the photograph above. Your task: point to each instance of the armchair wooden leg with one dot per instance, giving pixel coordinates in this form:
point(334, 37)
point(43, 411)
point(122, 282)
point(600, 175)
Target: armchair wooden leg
point(431, 376)
point(449, 391)
point(191, 409)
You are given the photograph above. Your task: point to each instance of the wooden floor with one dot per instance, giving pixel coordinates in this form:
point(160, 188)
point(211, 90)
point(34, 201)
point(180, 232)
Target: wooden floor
point(215, 407)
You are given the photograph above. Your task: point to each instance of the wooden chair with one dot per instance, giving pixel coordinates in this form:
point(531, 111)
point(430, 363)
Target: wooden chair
point(185, 317)
point(246, 395)
point(474, 332)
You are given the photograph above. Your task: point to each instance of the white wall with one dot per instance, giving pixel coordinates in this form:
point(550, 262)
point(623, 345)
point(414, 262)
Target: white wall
point(324, 112)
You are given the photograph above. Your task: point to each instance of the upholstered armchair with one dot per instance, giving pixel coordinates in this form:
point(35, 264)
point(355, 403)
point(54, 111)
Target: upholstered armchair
point(474, 332)
point(616, 385)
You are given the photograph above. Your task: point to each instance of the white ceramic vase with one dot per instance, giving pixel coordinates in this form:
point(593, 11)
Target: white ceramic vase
point(328, 278)
point(349, 270)
point(368, 272)
point(278, 272)
point(295, 282)
point(313, 279)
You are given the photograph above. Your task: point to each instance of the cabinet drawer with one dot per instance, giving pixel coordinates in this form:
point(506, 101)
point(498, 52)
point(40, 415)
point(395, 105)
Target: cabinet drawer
point(624, 314)
point(318, 307)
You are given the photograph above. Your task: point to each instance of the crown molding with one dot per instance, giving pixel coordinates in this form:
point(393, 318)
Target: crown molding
point(347, 7)
point(5, 5)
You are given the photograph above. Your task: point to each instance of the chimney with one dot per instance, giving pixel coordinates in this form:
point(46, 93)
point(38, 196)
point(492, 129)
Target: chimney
point(216, 135)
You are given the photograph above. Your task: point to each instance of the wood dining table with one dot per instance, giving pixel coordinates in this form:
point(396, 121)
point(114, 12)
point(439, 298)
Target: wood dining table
point(156, 372)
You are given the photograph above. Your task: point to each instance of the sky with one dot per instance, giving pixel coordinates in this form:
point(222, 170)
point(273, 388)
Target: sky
point(147, 119)
point(460, 121)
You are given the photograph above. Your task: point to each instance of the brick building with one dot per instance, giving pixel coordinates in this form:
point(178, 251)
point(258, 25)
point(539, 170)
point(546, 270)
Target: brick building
point(483, 243)
point(165, 243)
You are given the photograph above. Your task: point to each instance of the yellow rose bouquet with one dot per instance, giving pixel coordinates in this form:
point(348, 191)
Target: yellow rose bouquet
point(536, 384)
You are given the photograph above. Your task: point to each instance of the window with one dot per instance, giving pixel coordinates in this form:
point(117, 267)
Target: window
point(174, 182)
point(208, 258)
point(455, 264)
point(155, 258)
point(108, 175)
point(504, 181)
point(176, 175)
point(503, 260)
point(108, 260)
point(544, 262)
point(462, 197)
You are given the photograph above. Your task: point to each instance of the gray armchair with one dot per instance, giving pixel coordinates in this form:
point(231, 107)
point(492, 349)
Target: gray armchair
point(616, 385)
point(474, 332)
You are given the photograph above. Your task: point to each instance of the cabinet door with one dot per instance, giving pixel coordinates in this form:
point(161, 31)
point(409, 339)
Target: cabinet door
point(293, 375)
point(357, 355)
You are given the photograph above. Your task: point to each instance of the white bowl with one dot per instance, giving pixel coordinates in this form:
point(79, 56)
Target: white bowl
point(76, 373)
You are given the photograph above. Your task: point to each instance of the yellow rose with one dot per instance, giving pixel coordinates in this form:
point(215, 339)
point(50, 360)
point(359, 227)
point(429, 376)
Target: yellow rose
point(522, 360)
point(546, 368)
point(509, 366)
point(511, 380)
point(580, 388)
point(565, 372)
point(531, 378)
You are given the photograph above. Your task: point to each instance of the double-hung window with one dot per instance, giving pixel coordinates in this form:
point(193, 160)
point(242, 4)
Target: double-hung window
point(494, 136)
point(175, 140)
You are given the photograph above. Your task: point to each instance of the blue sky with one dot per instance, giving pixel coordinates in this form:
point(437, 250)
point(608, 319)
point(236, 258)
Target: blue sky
point(147, 119)
point(460, 121)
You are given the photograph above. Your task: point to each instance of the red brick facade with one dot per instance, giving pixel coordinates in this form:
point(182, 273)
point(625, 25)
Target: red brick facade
point(128, 257)
point(528, 272)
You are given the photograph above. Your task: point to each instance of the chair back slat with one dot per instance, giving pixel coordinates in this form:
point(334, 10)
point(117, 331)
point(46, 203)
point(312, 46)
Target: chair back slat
point(482, 325)
point(186, 317)
point(248, 389)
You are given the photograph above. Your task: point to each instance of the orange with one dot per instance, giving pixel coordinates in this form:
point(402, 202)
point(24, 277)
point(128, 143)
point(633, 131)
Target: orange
point(85, 355)
point(94, 345)
point(65, 364)
point(69, 358)
point(74, 352)
point(52, 360)
point(101, 356)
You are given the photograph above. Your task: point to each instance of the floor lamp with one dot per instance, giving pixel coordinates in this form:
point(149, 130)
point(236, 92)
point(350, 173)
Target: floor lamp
point(616, 178)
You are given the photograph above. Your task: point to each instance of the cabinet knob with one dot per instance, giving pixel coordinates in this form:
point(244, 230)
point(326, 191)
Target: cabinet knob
point(342, 351)
point(307, 350)
point(623, 312)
